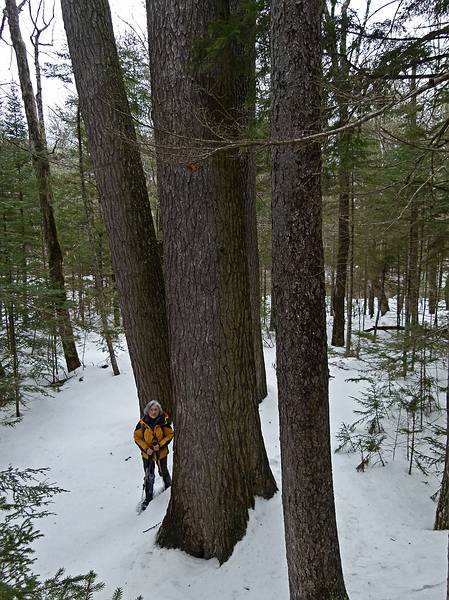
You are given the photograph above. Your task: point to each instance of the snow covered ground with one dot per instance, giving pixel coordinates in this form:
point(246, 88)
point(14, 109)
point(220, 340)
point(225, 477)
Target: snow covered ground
point(84, 434)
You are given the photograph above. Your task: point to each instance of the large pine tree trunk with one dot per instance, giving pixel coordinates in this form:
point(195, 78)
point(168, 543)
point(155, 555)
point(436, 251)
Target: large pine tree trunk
point(313, 554)
point(99, 288)
point(220, 462)
point(41, 167)
point(123, 194)
point(248, 163)
point(247, 92)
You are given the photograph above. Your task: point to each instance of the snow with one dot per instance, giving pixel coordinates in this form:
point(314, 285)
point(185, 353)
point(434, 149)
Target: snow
point(84, 434)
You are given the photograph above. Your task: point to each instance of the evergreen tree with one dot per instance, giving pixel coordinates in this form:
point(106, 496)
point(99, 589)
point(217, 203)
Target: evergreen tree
point(123, 194)
point(203, 223)
point(41, 167)
point(313, 555)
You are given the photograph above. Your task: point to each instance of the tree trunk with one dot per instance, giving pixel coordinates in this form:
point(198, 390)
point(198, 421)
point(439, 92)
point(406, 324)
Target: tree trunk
point(217, 468)
point(14, 357)
point(342, 92)
point(42, 171)
point(350, 286)
point(398, 293)
point(432, 279)
point(338, 326)
point(313, 554)
point(99, 288)
point(252, 251)
point(446, 292)
point(382, 298)
point(247, 84)
point(371, 297)
point(123, 194)
point(413, 270)
point(115, 304)
point(442, 514)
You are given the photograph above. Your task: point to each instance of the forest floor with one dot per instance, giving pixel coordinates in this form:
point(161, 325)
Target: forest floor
point(84, 434)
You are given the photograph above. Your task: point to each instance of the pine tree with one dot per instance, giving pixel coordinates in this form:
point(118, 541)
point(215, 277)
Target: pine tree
point(123, 194)
point(205, 263)
point(313, 555)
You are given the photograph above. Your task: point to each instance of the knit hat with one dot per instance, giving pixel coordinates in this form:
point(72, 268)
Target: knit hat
point(150, 404)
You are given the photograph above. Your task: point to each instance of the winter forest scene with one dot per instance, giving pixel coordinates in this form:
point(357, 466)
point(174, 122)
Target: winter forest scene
point(224, 299)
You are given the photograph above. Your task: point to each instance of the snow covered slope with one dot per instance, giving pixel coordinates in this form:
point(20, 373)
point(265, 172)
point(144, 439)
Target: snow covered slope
point(84, 434)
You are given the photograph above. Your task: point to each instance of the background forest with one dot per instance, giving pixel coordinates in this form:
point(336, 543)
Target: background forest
point(100, 238)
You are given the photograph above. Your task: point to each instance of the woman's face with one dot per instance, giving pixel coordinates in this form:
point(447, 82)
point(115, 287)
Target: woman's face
point(153, 411)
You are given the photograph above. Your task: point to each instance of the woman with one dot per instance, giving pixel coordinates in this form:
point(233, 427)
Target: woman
point(153, 434)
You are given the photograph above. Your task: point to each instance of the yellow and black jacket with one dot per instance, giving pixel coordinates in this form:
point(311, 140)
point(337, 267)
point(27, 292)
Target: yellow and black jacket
point(149, 432)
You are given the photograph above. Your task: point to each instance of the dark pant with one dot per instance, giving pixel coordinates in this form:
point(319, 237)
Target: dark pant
point(148, 467)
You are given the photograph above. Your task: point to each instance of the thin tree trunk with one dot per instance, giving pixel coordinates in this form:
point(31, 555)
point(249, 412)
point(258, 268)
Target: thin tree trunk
point(15, 361)
point(371, 297)
point(446, 292)
point(432, 280)
point(382, 299)
point(272, 325)
point(81, 298)
point(217, 475)
point(411, 306)
point(313, 555)
point(344, 179)
point(398, 293)
point(365, 289)
point(42, 171)
point(123, 194)
point(264, 297)
point(338, 326)
point(439, 288)
point(442, 514)
point(350, 276)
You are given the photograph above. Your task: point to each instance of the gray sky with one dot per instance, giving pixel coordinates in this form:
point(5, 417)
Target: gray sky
point(54, 91)
point(123, 11)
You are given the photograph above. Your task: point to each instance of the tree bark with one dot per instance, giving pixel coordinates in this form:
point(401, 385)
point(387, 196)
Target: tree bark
point(446, 292)
point(338, 326)
point(371, 297)
point(432, 278)
point(123, 194)
point(247, 93)
point(442, 514)
point(249, 165)
point(313, 554)
point(350, 276)
point(413, 267)
point(382, 300)
point(220, 462)
point(42, 171)
point(99, 288)
point(341, 81)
